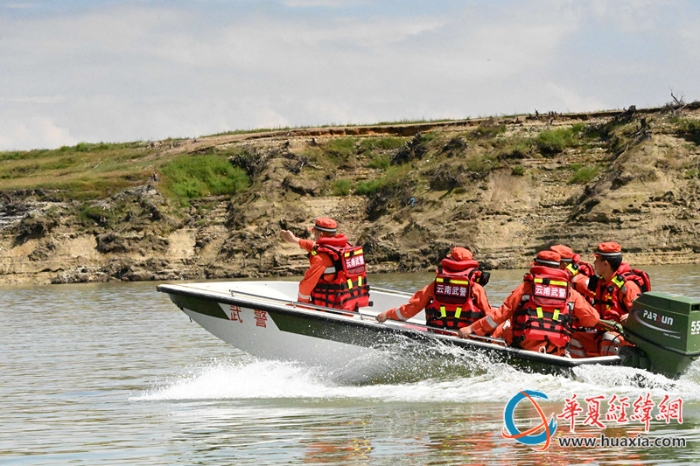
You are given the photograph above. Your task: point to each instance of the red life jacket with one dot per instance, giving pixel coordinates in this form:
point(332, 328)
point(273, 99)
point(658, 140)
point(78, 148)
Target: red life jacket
point(546, 314)
point(607, 294)
point(453, 305)
point(344, 284)
point(577, 266)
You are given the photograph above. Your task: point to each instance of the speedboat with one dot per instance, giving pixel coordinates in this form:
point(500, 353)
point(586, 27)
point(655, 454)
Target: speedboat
point(264, 319)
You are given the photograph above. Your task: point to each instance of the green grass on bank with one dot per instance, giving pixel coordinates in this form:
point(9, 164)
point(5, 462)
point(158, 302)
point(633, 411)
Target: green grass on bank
point(84, 171)
point(372, 152)
point(583, 174)
point(554, 141)
point(439, 159)
point(689, 129)
point(549, 143)
point(393, 178)
point(94, 171)
point(193, 177)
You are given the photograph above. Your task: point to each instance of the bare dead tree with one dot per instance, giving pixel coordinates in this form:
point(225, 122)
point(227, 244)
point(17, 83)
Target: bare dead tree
point(677, 100)
point(678, 104)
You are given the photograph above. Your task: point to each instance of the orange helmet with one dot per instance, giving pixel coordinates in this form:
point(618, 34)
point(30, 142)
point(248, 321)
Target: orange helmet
point(566, 253)
point(325, 224)
point(609, 249)
point(461, 254)
point(548, 258)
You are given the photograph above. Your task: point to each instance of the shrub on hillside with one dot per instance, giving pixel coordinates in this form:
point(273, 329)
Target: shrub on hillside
point(381, 143)
point(584, 174)
point(252, 161)
point(391, 190)
point(482, 164)
point(689, 129)
point(382, 162)
point(192, 177)
point(367, 188)
point(340, 150)
point(341, 187)
point(488, 131)
point(414, 149)
point(554, 141)
point(518, 170)
point(445, 177)
point(519, 150)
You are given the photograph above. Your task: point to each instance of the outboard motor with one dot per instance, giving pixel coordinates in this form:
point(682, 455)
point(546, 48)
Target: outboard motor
point(666, 332)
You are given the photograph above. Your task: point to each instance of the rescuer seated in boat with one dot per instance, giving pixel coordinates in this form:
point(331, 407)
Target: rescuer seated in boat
point(456, 297)
point(584, 341)
point(336, 276)
point(578, 270)
point(540, 310)
point(616, 285)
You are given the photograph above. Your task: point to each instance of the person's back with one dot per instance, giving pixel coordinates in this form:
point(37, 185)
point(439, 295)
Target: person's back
point(542, 318)
point(578, 270)
point(336, 276)
point(343, 284)
point(540, 309)
point(455, 298)
point(457, 284)
point(614, 288)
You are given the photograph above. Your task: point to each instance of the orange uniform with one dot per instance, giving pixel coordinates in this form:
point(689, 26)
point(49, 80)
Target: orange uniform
point(578, 271)
point(614, 296)
point(612, 299)
point(580, 284)
point(587, 342)
point(318, 265)
point(456, 297)
point(618, 302)
point(630, 293)
point(307, 244)
point(584, 315)
point(423, 297)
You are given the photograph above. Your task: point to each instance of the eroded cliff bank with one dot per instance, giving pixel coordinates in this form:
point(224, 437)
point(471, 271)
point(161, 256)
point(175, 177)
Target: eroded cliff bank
point(504, 187)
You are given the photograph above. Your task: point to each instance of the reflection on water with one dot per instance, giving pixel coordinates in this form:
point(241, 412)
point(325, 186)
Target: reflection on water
point(116, 374)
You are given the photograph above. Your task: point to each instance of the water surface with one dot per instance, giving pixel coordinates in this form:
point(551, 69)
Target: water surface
point(116, 374)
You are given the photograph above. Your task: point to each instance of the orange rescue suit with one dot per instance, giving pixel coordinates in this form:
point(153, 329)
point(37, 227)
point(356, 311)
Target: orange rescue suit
point(579, 274)
point(441, 310)
point(582, 313)
point(453, 305)
point(614, 299)
point(336, 276)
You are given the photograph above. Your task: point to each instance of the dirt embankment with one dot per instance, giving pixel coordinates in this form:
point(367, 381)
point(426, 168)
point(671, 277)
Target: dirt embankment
point(502, 187)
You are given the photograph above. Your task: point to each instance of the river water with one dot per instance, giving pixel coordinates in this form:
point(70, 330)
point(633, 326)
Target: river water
point(116, 374)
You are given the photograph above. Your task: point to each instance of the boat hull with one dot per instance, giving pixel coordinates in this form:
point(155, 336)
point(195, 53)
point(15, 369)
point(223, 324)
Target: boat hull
point(265, 322)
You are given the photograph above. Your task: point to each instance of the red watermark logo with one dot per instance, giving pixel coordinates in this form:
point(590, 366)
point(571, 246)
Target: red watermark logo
point(599, 413)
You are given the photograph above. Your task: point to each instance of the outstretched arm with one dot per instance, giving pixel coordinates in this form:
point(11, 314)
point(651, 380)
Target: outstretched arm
point(416, 304)
point(290, 237)
point(488, 324)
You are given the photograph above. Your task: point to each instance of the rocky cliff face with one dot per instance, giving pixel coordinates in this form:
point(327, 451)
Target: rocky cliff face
point(503, 187)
